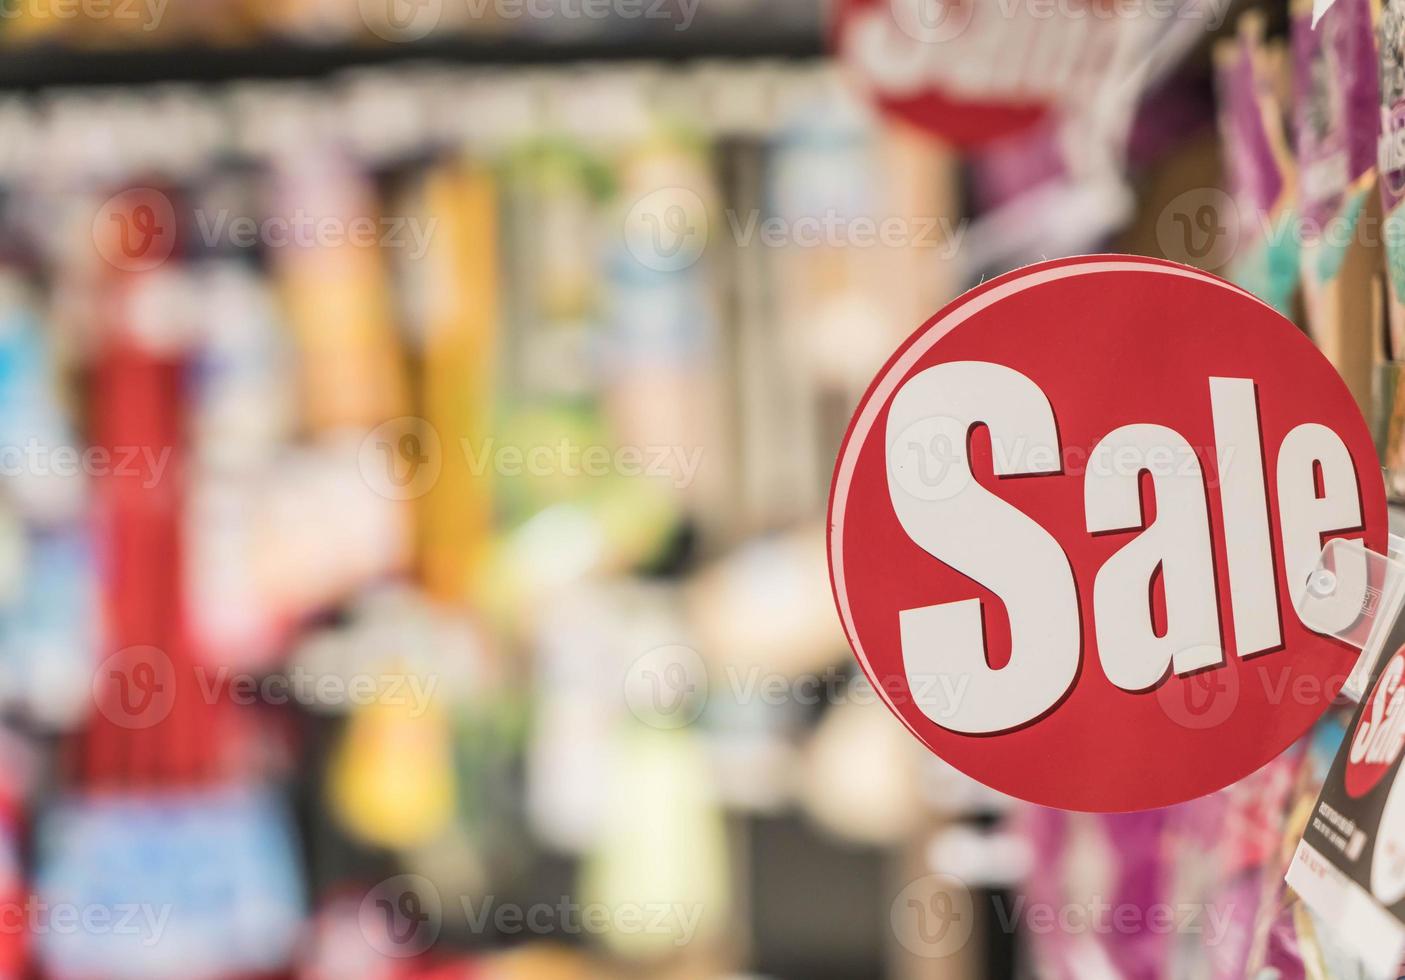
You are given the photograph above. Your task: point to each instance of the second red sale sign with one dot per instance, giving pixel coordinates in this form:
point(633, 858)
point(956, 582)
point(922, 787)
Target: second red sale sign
point(1068, 522)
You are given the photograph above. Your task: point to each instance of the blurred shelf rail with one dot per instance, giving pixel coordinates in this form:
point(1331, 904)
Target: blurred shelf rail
point(40, 67)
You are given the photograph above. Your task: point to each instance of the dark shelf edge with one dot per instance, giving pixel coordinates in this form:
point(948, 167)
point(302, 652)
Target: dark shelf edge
point(45, 67)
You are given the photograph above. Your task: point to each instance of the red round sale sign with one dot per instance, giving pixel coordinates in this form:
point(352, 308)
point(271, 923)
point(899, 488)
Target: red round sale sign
point(1069, 521)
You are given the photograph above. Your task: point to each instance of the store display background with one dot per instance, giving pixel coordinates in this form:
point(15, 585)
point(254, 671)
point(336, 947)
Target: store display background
point(815, 894)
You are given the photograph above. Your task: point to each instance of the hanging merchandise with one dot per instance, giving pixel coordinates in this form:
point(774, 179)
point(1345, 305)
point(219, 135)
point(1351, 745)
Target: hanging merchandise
point(49, 628)
point(577, 706)
point(201, 883)
point(857, 802)
point(1038, 205)
point(1390, 38)
point(146, 689)
point(40, 470)
point(663, 848)
point(351, 486)
point(1335, 94)
point(1390, 386)
point(604, 655)
point(1286, 938)
point(48, 602)
point(242, 411)
point(16, 935)
point(661, 344)
point(572, 497)
point(457, 281)
point(460, 361)
point(1101, 868)
point(871, 235)
point(334, 287)
point(768, 405)
point(1259, 169)
point(810, 310)
point(162, 819)
point(1242, 828)
point(391, 779)
point(241, 416)
point(1111, 649)
point(755, 607)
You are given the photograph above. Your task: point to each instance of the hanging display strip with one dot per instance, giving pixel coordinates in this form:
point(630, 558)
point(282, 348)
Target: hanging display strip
point(1349, 866)
point(1067, 522)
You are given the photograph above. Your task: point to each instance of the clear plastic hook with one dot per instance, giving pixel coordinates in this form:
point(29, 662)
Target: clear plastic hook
point(1354, 594)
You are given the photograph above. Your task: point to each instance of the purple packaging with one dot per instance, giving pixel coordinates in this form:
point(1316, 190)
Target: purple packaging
point(1108, 877)
point(1335, 99)
point(1259, 170)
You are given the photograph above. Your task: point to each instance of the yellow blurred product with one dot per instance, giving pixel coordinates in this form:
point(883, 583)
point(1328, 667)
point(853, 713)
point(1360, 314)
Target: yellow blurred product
point(459, 367)
point(335, 286)
point(392, 778)
point(31, 24)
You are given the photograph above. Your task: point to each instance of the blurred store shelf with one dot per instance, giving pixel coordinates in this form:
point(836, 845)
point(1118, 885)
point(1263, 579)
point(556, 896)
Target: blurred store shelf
point(46, 68)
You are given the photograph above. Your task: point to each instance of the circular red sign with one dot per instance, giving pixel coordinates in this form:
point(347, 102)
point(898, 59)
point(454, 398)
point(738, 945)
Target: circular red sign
point(1108, 624)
